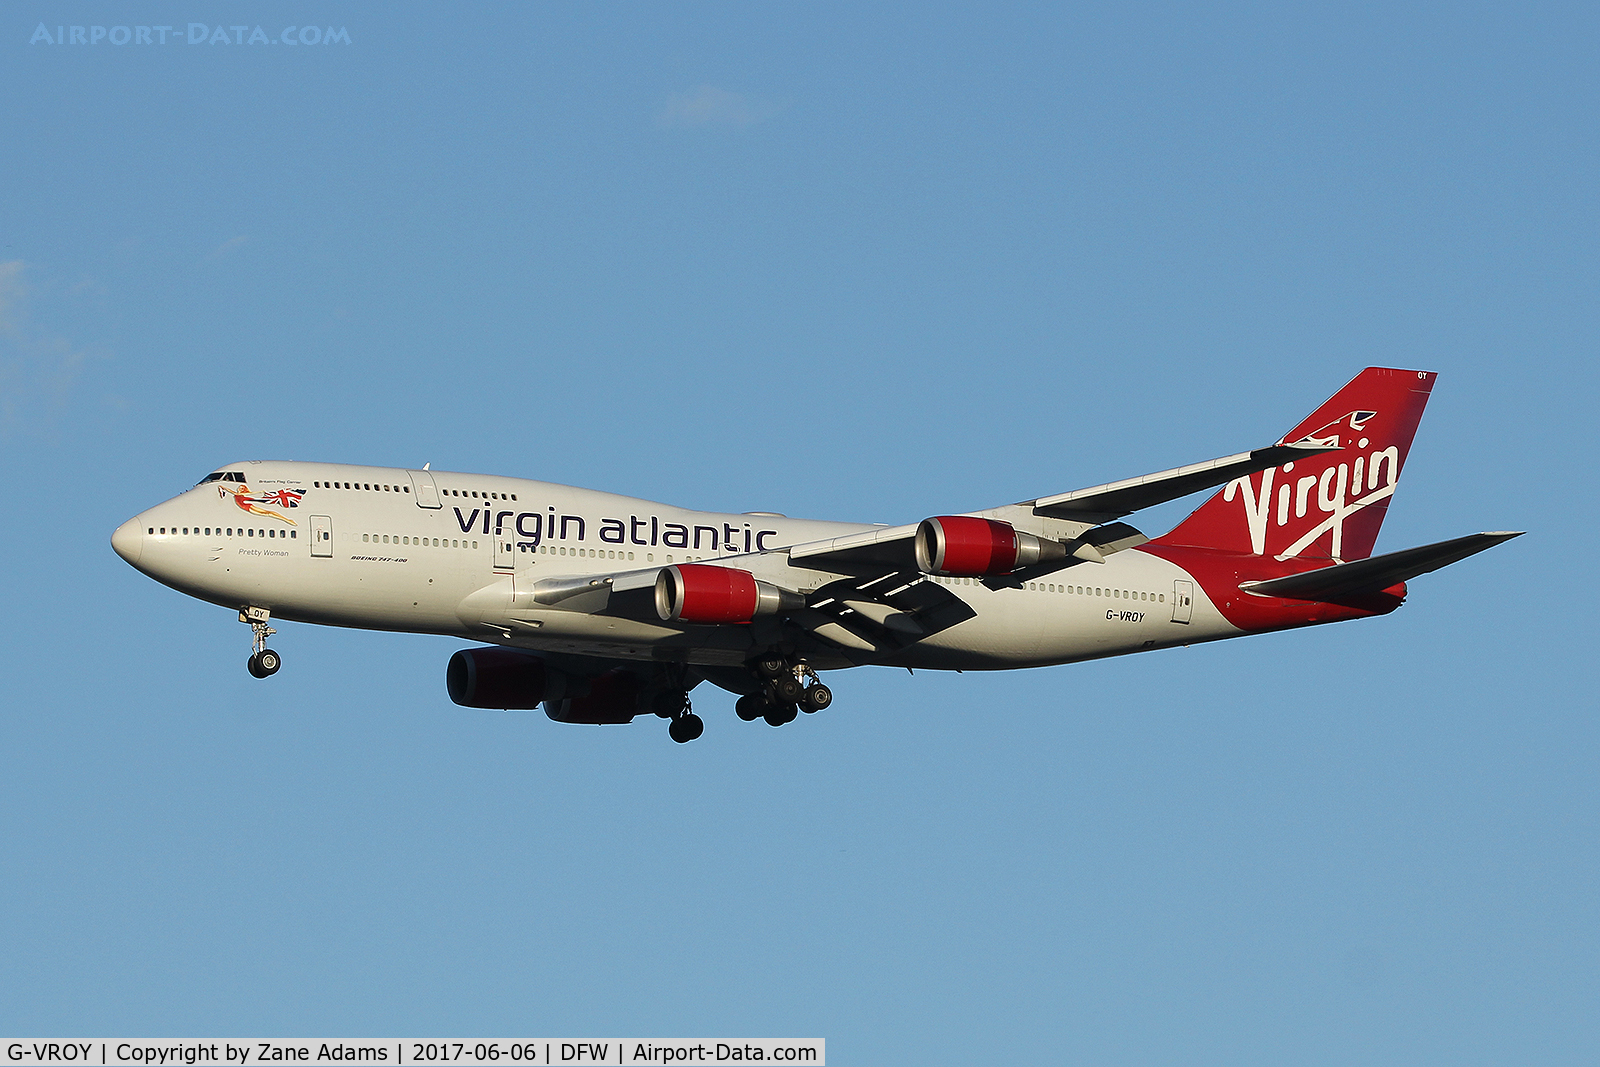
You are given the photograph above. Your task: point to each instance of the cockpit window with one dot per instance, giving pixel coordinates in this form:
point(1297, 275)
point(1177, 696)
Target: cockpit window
point(223, 476)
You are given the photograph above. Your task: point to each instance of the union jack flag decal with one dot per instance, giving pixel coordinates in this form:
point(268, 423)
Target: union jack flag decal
point(283, 498)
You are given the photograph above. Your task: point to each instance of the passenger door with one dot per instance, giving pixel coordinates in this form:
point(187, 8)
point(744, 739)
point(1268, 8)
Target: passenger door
point(504, 545)
point(1182, 600)
point(422, 487)
point(322, 535)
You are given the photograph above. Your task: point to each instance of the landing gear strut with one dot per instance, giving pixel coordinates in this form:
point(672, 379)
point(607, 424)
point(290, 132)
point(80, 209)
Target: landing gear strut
point(673, 703)
point(785, 692)
point(263, 662)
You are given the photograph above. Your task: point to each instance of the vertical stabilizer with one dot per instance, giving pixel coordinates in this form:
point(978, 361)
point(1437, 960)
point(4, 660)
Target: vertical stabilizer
point(1331, 505)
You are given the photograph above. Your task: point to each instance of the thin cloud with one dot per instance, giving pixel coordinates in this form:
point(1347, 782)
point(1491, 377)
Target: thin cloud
point(710, 106)
point(38, 368)
point(228, 246)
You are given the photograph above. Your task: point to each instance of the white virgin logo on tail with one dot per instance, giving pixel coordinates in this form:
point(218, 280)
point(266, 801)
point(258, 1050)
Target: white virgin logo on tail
point(1339, 490)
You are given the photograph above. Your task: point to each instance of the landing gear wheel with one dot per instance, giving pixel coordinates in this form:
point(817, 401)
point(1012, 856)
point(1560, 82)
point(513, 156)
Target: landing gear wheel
point(789, 689)
point(816, 698)
point(782, 715)
point(750, 708)
point(771, 665)
point(686, 728)
point(264, 664)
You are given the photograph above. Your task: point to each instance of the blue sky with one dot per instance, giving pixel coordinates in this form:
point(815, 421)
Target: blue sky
point(843, 262)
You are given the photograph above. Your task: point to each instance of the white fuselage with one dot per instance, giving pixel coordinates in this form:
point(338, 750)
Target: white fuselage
point(459, 555)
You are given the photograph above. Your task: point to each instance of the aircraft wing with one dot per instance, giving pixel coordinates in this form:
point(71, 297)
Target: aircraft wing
point(888, 548)
point(1113, 500)
point(893, 546)
point(883, 601)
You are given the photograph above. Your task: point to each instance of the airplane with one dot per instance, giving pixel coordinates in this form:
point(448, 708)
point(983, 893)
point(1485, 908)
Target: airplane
point(602, 607)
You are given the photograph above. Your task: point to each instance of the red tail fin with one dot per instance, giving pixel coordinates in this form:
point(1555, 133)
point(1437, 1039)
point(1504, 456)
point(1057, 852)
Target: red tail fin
point(1332, 504)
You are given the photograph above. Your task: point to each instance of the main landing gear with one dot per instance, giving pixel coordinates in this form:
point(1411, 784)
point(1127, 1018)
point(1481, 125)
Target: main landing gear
point(264, 662)
point(674, 704)
point(784, 692)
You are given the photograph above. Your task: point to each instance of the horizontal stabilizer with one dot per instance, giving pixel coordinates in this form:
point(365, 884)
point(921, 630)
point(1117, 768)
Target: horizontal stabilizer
point(1102, 503)
point(1377, 572)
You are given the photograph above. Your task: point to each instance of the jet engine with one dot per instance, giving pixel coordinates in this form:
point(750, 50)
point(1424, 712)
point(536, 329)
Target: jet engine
point(698, 592)
point(613, 698)
point(503, 678)
point(965, 547)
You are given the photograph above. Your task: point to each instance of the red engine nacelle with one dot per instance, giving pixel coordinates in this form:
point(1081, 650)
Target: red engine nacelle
point(503, 678)
point(700, 593)
point(967, 547)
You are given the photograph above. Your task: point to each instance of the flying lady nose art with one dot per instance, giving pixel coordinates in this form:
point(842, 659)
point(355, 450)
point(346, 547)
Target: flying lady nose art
point(258, 504)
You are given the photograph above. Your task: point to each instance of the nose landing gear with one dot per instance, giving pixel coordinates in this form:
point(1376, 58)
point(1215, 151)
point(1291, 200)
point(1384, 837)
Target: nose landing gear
point(263, 662)
point(673, 703)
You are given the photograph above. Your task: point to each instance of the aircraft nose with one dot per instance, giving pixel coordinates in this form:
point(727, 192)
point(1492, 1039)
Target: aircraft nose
point(128, 540)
